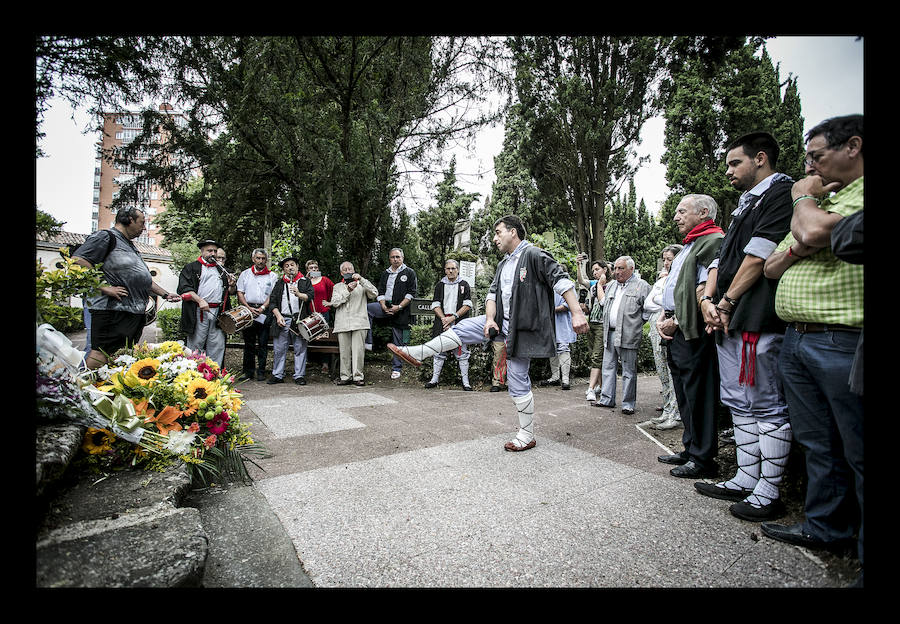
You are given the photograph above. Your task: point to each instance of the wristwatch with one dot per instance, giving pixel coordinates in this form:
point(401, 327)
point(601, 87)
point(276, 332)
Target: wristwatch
point(705, 298)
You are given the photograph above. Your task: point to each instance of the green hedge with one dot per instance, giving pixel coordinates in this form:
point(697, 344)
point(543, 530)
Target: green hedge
point(65, 319)
point(168, 320)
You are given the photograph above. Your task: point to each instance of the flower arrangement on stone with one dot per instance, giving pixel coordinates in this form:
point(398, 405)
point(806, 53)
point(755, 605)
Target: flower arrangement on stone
point(154, 404)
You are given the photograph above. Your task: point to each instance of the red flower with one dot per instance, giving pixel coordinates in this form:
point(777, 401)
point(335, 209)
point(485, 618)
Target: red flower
point(204, 369)
point(219, 424)
point(195, 427)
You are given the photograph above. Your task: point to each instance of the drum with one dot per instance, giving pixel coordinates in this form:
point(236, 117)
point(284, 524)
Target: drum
point(236, 319)
point(312, 327)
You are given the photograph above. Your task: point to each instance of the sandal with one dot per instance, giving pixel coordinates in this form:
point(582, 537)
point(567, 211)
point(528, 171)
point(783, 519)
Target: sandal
point(516, 445)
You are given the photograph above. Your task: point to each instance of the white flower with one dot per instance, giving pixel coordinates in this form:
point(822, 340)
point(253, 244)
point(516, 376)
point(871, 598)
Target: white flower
point(179, 442)
point(125, 360)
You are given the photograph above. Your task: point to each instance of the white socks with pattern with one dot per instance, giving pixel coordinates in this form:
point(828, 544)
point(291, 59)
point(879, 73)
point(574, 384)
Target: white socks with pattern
point(774, 449)
point(447, 341)
point(525, 409)
point(565, 365)
point(746, 438)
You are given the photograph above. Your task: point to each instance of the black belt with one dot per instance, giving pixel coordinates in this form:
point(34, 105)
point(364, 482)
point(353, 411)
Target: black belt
point(254, 305)
point(811, 328)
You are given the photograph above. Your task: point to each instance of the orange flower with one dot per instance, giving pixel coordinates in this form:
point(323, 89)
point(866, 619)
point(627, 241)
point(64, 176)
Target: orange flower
point(167, 420)
point(141, 409)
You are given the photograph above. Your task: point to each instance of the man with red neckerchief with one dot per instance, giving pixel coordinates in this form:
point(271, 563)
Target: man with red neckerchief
point(204, 287)
point(289, 303)
point(253, 288)
point(692, 351)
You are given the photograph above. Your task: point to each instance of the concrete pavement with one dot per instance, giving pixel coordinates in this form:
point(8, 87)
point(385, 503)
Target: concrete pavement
point(393, 485)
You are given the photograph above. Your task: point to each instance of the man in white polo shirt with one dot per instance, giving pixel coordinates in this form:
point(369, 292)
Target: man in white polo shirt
point(253, 288)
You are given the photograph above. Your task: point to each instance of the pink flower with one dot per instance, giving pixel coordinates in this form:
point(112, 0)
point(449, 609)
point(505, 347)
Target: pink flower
point(219, 424)
point(207, 372)
point(210, 441)
point(195, 427)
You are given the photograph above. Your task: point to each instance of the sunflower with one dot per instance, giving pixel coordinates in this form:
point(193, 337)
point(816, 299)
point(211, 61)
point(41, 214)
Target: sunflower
point(146, 371)
point(97, 441)
point(201, 390)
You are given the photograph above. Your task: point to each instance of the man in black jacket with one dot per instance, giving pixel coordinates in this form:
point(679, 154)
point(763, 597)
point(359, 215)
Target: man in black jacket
point(396, 290)
point(739, 306)
point(289, 303)
point(451, 303)
point(204, 288)
point(520, 307)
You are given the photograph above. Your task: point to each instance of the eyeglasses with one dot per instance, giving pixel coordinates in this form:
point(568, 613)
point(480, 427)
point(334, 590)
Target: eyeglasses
point(813, 157)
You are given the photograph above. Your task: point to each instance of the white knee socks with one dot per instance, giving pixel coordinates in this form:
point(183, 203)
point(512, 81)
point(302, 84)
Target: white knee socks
point(746, 438)
point(525, 409)
point(774, 448)
point(565, 365)
point(444, 342)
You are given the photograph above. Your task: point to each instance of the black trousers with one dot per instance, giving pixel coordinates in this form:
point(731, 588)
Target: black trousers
point(695, 379)
point(256, 347)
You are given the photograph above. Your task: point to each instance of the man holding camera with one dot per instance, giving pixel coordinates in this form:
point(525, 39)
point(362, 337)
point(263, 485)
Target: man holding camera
point(351, 322)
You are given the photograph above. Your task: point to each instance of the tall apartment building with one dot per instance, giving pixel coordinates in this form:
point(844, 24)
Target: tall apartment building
point(119, 129)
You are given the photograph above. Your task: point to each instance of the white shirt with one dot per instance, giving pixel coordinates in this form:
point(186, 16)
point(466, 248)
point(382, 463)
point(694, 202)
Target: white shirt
point(210, 287)
point(256, 288)
point(290, 304)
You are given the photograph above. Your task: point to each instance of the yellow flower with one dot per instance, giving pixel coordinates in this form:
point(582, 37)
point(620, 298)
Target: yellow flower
point(97, 441)
point(145, 372)
point(184, 379)
point(201, 390)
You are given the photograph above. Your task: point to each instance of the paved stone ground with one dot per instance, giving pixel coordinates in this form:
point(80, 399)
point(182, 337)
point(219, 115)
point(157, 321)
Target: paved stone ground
point(392, 485)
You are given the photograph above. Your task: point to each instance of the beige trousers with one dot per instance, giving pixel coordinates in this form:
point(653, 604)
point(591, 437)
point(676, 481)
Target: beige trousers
point(353, 351)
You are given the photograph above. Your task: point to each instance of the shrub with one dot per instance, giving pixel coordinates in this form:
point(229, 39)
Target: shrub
point(168, 320)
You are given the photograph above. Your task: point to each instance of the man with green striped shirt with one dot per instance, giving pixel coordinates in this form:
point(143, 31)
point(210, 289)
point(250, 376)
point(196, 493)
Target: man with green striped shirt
point(821, 299)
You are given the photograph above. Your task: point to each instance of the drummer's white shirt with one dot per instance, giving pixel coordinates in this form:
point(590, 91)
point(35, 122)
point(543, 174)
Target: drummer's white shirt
point(210, 287)
point(289, 303)
point(256, 288)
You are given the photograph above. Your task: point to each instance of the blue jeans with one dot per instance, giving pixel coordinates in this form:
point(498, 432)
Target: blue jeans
point(827, 421)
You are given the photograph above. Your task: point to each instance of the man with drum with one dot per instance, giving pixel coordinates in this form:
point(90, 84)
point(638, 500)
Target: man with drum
point(204, 286)
point(253, 288)
point(289, 304)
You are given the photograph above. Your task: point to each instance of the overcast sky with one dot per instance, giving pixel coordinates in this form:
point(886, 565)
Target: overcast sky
point(830, 81)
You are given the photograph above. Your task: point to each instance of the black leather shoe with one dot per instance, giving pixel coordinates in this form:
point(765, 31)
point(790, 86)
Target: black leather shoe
point(678, 459)
point(722, 493)
point(794, 534)
point(746, 511)
point(627, 411)
point(548, 382)
point(495, 388)
point(604, 405)
point(261, 376)
point(566, 386)
point(690, 470)
point(343, 382)
point(275, 380)
point(300, 381)
point(430, 384)
point(467, 388)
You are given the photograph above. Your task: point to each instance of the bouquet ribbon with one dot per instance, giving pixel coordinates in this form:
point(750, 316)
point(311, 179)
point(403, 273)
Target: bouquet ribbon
point(119, 410)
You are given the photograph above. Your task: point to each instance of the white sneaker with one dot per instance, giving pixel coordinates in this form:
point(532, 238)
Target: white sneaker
point(590, 395)
point(395, 374)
